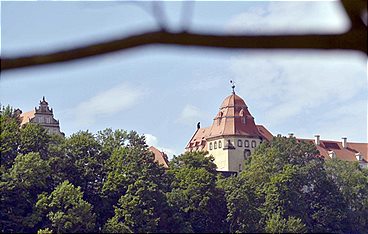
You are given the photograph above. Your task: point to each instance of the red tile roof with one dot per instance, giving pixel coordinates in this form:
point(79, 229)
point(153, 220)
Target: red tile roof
point(265, 133)
point(348, 153)
point(230, 119)
point(26, 117)
point(199, 139)
point(160, 157)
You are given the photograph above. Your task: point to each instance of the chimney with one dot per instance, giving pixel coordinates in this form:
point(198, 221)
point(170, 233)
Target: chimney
point(291, 134)
point(344, 142)
point(316, 139)
point(359, 156)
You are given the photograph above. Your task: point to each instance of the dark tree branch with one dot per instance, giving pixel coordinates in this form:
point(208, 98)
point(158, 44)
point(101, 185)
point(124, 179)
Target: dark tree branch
point(352, 40)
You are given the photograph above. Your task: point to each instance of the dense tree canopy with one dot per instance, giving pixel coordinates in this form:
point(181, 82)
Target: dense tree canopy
point(109, 182)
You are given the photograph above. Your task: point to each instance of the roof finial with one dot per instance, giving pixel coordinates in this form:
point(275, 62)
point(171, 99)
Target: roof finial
point(43, 98)
point(232, 86)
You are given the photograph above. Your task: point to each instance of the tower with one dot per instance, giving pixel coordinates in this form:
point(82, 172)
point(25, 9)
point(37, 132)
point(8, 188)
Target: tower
point(43, 116)
point(232, 137)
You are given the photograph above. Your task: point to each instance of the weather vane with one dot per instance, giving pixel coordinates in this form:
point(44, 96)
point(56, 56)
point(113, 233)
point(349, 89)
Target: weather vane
point(232, 86)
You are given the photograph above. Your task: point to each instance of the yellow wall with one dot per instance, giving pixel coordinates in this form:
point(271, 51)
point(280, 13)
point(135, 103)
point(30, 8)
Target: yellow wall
point(230, 159)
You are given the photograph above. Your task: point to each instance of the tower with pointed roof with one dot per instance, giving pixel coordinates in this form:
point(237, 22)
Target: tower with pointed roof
point(232, 137)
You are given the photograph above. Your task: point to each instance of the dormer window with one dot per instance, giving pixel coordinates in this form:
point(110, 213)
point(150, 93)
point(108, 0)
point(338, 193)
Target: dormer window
point(332, 154)
point(359, 156)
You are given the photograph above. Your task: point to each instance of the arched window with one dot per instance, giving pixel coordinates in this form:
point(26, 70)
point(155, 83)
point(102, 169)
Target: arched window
point(240, 143)
point(220, 144)
point(254, 144)
point(246, 143)
point(246, 154)
point(211, 146)
point(215, 145)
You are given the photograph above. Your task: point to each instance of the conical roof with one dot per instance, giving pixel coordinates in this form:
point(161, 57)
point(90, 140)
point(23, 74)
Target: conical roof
point(233, 119)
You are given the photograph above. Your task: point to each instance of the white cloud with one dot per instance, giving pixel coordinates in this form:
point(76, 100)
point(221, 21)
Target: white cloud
point(108, 102)
point(292, 17)
point(152, 140)
point(190, 115)
point(320, 89)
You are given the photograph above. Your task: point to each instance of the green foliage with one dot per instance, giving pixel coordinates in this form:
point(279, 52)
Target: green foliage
point(143, 208)
point(242, 205)
point(28, 177)
point(65, 210)
point(285, 179)
point(116, 187)
point(352, 182)
point(137, 185)
point(194, 160)
point(277, 224)
point(34, 138)
point(111, 140)
point(44, 231)
point(114, 226)
point(9, 137)
point(200, 204)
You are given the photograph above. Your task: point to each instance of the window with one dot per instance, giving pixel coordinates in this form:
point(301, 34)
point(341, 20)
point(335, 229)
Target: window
point(229, 145)
point(246, 143)
point(240, 167)
point(240, 143)
point(254, 144)
point(220, 144)
point(246, 154)
point(211, 146)
point(215, 145)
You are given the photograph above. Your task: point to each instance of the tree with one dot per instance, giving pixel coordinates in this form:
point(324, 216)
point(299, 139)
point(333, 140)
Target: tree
point(142, 209)
point(242, 203)
point(199, 202)
point(287, 182)
point(34, 138)
point(198, 159)
point(111, 140)
point(136, 186)
point(28, 177)
point(9, 137)
point(64, 210)
point(84, 165)
point(277, 224)
point(352, 182)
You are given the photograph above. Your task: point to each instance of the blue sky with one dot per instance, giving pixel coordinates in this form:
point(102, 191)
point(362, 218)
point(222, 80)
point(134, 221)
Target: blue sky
point(163, 91)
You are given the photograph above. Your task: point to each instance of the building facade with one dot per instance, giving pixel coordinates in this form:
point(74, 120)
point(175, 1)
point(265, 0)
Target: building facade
point(43, 116)
point(234, 135)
